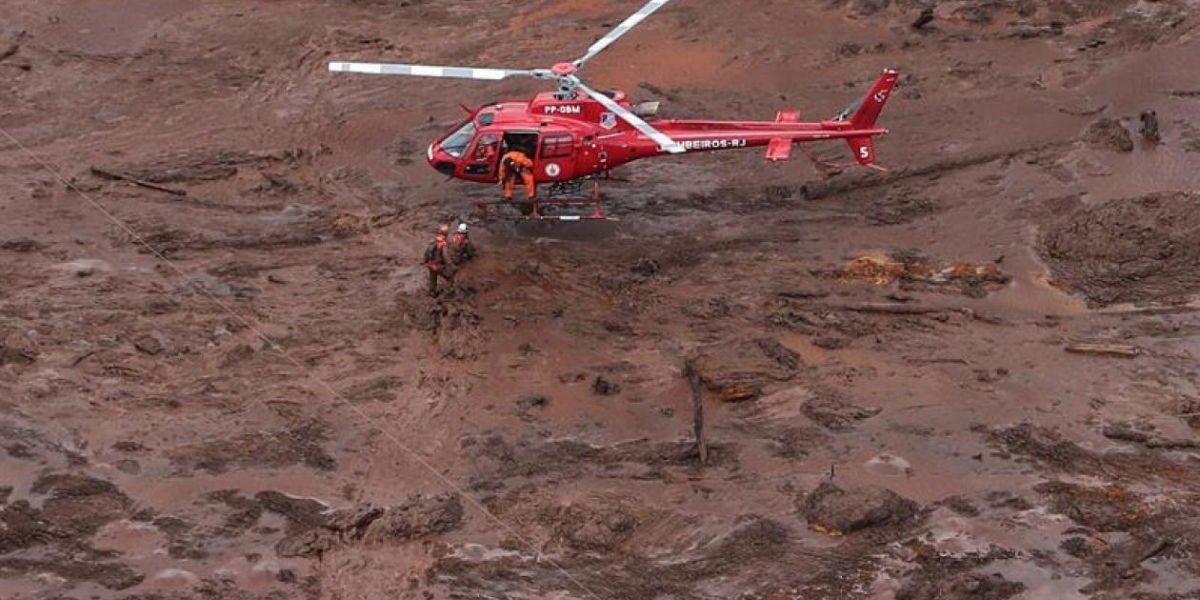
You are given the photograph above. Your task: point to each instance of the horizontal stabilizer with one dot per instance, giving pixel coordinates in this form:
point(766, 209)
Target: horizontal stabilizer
point(781, 148)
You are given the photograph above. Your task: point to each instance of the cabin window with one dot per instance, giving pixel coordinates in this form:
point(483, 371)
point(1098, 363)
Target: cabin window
point(456, 143)
point(556, 146)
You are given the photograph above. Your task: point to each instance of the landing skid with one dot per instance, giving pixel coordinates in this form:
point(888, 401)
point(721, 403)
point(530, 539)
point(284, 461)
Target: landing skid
point(563, 201)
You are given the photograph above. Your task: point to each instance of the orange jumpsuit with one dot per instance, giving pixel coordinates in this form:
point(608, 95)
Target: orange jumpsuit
point(524, 170)
point(442, 264)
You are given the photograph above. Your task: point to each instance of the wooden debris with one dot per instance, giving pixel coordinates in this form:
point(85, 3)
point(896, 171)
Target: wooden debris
point(693, 378)
point(146, 184)
point(1105, 349)
point(1082, 112)
point(888, 308)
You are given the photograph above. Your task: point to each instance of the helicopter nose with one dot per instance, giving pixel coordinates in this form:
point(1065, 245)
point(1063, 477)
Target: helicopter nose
point(441, 161)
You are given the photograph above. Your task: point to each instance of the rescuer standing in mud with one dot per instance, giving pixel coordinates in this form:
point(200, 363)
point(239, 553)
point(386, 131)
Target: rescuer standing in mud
point(462, 249)
point(516, 164)
point(439, 261)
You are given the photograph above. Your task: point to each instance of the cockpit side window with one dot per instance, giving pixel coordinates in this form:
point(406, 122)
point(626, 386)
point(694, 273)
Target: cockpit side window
point(456, 143)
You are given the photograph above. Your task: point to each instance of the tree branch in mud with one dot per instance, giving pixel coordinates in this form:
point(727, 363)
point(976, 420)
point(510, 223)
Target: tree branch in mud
point(693, 377)
point(113, 176)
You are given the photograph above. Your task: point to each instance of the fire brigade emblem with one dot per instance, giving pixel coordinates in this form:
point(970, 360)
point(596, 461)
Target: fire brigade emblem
point(608, 120)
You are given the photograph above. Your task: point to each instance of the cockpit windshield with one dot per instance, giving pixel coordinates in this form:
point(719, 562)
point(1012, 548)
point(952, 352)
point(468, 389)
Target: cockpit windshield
point(456, 143)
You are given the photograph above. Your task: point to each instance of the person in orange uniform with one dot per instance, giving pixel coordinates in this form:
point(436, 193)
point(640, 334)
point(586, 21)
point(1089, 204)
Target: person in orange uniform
point(438, 260)
point(516, 164)
point(486, 151)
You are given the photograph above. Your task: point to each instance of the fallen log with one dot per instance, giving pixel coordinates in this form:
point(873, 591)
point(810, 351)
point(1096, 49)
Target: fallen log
point(888, 308)
point(1104, 349)
point(112, 176)
point(818, 190)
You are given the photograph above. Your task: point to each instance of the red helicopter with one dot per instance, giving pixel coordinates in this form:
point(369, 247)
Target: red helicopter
point(577, 134)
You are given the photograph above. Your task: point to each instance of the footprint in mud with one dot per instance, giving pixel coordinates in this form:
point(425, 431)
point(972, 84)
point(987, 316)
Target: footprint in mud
point(888, 465)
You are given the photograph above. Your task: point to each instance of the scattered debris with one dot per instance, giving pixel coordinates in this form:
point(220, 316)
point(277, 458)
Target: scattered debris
point(1149, 128)
point(113, 176)
point(918, 273)
point(924, 18)
point(1125, 433)
point(1104, 349)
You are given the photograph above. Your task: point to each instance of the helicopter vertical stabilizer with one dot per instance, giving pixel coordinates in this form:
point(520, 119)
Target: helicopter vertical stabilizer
point(871, 105)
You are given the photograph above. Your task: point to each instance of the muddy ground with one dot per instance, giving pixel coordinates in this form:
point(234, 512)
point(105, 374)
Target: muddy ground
point(972, 377)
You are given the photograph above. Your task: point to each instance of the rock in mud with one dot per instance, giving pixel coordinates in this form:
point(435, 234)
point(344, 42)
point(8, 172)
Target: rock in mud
point(645, 267)
point(836, 510)
point(302, 513)
point(1107, 508)
point(275, 449)
point(312, 543)
point(21, 245)
point(968, 586)
point(1049, 449)
point(529, 405)
point(924, 18)
point(80, 505)
point(1129, 250)
point(836, 414)
point(112, 575)
point(604, 387)
point(597, 527)
point(17, 349)
point(742, 370)
point(1108, 134)
point(148, 344)
point(416, 518)
point(22, 526)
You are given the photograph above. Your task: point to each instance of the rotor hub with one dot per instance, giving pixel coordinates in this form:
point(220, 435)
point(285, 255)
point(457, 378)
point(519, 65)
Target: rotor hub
point(563, 69)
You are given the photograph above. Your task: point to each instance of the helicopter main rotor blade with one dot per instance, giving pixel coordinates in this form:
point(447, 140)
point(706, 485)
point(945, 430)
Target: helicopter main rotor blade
point(622, 29)
point(431, 71)
point(665, 142)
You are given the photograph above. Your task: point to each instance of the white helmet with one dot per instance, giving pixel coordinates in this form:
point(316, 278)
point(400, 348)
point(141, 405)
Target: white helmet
point(462, 227)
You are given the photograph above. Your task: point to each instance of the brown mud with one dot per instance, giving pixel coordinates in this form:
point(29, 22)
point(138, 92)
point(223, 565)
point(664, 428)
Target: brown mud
point(970, 377)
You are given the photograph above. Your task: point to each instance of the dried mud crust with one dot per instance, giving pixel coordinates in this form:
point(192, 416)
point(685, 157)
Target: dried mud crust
point(55, 538)
point(271, 449)
point(1137, 250)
